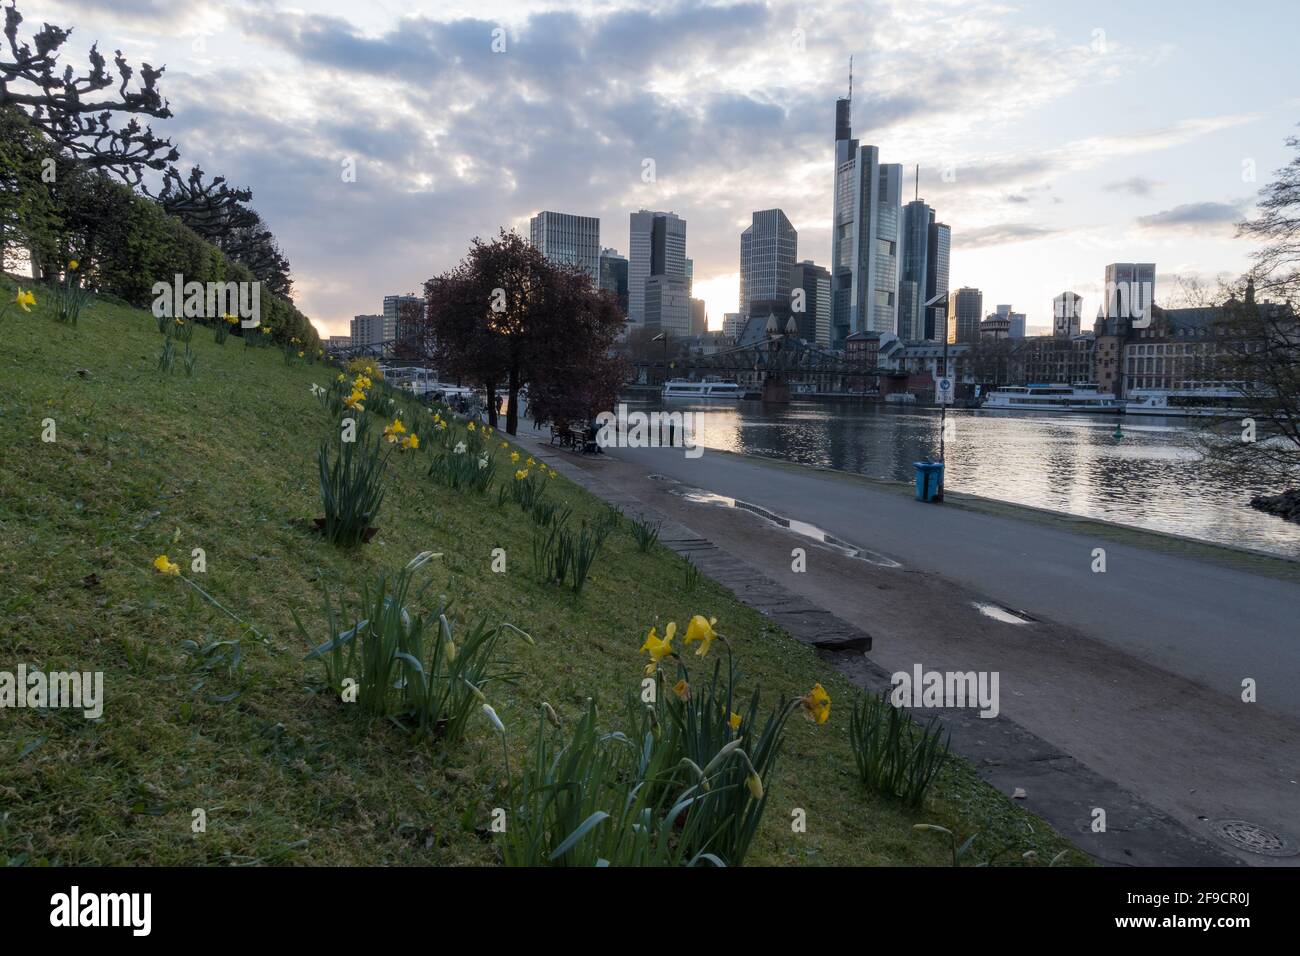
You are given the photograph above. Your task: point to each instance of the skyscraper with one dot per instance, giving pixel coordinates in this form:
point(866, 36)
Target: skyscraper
point(1067, 315)
point(613, 276)
point(767, 254)
point(865, 235)
point(568, 240)
point(393, 304)
point(913, 278)
point(699, 317)
point(938, 254)
point(814, 319)
point(965, 310)
point(1130, 290)
point(656, 247)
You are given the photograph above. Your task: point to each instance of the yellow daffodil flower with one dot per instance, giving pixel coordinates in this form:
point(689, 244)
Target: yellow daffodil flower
point(266, 330)
point(734, 721)
point(442, 426)
point(816, 704)
point(521, 474)
point(73, 264)
point(701, 629)
point(354, 401)
point(163, 565)
point(469, 427)
point(300, 355)
point(411, 441)
point(25, 300)
point(505, 444)
point(394, 431)
point(659, 649)
point(530, 462)
point(514, 456)
point(682, 689)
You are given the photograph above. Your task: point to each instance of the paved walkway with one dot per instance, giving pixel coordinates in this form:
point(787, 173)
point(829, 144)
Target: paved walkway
point(1125, 687)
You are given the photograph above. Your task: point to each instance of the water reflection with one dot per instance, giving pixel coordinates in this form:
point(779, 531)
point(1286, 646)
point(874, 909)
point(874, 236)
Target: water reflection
point(1149, 478)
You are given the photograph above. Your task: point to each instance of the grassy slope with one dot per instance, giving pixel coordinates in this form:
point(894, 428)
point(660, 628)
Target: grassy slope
point(147, 463)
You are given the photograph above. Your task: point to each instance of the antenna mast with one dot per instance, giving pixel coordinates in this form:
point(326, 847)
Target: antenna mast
point(850, 77)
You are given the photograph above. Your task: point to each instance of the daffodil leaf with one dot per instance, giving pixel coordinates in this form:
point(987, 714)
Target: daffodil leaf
point(585, 827)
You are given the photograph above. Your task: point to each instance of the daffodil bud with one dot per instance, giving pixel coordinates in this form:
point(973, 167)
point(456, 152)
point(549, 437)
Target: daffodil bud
point(551, 715)
point(755, 784)
point(492, 716)
point(722, 754)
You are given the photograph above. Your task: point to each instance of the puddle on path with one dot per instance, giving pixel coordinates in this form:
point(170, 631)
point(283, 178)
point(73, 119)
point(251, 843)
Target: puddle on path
point(803, 528)
point(999, 613)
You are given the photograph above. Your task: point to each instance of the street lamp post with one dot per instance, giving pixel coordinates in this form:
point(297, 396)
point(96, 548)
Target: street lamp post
point(663, 337)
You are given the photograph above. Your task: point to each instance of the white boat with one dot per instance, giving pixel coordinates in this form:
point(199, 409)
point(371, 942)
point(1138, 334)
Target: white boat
point(681, 388)
point(1200, 399)
point(1053, 398)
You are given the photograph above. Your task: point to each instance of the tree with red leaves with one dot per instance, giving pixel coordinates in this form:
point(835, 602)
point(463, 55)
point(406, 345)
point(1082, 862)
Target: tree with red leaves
point(506, 317)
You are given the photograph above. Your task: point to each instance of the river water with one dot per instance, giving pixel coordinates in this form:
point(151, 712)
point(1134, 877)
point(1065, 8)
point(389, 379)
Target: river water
point(1072, 463)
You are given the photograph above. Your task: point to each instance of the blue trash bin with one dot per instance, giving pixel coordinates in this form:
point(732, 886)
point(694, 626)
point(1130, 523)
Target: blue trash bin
point(929, 479)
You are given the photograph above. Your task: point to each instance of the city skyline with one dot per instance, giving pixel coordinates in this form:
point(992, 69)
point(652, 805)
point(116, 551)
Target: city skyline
point(1047, 165)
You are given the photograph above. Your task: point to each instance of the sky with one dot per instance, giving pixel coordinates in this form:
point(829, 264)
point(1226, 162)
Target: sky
point(379, 137)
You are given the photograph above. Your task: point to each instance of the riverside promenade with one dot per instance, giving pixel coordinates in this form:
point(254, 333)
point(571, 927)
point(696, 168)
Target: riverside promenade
point(1120, 690)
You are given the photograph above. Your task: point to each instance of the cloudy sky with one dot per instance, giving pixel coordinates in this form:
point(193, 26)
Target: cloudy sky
point(1053, 137)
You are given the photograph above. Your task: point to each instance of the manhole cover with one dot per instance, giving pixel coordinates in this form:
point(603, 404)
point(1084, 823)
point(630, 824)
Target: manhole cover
point(1253, 838)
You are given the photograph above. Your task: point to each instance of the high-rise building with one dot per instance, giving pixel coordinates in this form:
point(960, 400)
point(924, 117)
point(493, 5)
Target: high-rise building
point(965, 310)
point(768, 250)
point(1067, 315)
point(568, 240)
point(1130, 290)
point(374, 330)
point(409, 332)
point(938, 255)
point(1015, 321)
point(732, 323)
point(913, 277)
point(613, 276)
point(699, 317)
point(656, 247)
point(391, 305)
point(813, 314)
point(667, 306)
point(865, 237)
point(689, 266)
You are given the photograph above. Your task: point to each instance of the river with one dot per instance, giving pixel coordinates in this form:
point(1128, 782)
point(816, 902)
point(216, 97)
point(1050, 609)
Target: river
point(1072, 463)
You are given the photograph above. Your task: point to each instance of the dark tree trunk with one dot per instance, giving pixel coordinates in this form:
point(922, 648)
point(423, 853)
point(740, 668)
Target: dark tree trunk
point(491, 388)
point(512, 405)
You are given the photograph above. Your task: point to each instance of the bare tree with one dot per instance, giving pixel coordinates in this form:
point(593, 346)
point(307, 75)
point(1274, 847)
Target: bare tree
point(66, 108)
point(1259, 351)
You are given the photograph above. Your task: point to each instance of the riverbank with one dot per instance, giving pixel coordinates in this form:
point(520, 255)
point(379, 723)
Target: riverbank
point(1150, 479)
point(202, 713)
point(1134, 673)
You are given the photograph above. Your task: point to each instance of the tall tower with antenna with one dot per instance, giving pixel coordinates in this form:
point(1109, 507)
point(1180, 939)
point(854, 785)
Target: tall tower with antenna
point(865, 233)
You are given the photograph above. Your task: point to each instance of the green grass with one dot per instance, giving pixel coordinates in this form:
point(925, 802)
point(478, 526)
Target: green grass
point(147, 463)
